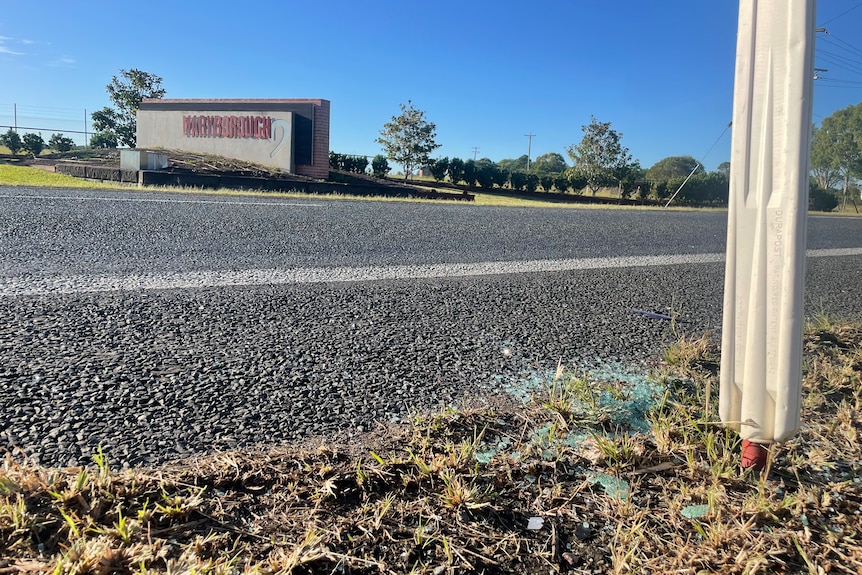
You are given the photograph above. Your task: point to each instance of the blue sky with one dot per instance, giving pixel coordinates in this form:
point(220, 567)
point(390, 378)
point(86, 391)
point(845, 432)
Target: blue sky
point(486, 73)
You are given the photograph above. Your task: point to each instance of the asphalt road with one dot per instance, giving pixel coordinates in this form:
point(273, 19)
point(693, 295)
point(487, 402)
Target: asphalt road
point(162, 325)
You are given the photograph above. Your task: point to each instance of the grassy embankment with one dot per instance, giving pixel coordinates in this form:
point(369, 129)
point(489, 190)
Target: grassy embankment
point(587, 475)
point(35, 177)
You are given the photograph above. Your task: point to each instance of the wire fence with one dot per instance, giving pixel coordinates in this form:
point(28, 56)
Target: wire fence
point(45, 121)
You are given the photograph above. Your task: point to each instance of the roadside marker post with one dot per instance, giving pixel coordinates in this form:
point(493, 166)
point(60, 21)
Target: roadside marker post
point(761, 359)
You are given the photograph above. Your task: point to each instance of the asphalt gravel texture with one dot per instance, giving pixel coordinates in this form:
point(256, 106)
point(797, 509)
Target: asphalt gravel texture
point(163, 374)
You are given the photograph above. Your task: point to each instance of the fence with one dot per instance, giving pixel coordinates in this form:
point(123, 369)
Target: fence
point(44, 120)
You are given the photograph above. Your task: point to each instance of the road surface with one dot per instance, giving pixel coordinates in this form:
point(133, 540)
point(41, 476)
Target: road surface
point(160, 326)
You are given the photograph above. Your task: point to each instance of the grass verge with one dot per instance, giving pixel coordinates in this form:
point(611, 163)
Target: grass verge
point(561, 483)
point(26, 176)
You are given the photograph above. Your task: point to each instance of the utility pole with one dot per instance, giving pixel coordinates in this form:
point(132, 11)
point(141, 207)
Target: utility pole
point(475, 152)
point(529, 147)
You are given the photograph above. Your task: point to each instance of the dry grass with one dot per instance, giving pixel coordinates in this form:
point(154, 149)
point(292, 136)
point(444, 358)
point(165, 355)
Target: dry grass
point(454, 492)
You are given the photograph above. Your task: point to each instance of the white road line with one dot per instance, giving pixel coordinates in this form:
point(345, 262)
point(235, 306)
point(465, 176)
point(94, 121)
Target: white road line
point(158, 200)
point(18, 286)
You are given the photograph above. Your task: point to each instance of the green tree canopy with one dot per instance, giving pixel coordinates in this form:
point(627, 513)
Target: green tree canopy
point(379, 166)
point(103, 140)
point(470, 172)
point(836, 149)
point(548, 164)
point(455, 170)
point(33, 143)
point(126, 93)
point(673, 167)
point(514, 165)
point(60, 143)
point(600, 157)
point(409, 138)
point(439, 167)
point(11, 140)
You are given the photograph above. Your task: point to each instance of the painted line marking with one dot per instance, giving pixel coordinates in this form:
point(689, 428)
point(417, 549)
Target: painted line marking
point(158, 200)
point(20, 286)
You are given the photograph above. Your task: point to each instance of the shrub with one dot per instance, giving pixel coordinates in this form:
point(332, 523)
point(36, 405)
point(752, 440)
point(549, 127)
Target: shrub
point(60, 143)
point(103, 140)
point(11, 140)
point(380, 166)
point(820, 200)
point(33, 143)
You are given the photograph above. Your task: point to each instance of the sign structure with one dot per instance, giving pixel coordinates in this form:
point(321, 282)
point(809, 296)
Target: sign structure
point(289, 134)
point(761, 364)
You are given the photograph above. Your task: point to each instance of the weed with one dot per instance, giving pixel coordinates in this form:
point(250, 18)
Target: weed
point(432, 506)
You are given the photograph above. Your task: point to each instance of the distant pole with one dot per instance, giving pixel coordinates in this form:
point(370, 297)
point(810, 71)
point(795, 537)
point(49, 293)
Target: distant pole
point(85, 128)
point(761, 348)
point(15, 115)
point(529, 147)
point(475, 152)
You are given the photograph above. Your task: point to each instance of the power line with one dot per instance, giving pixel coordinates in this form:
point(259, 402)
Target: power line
point(840, 15)
point(841, 61)
point(844, 45)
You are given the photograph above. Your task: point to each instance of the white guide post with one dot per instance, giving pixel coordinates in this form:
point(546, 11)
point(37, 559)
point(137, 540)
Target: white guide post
point(761, 360)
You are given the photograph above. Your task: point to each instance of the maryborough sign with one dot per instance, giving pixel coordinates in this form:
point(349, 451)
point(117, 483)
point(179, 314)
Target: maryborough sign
point(289, 134)
point(257, 127)
point(277, 130)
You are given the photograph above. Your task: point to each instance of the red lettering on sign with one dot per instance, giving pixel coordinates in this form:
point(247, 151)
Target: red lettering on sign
point(255, 127)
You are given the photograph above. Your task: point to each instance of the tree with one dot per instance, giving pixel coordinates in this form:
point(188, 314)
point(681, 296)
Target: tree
point(821, 199)
point(103, 140)
point(724, 168)
point(409, 138)
point(600, 157)
point(531, 182)
point(33, 143)
point(836, 149)
point(518, 180)
point(438, 168)
point(455, 170)
point(60, 143)
point(126, 93)
point(501, 176)
point(577, 181)
point(470, 172)
point(561, 182)
point(547, 180)
point(105, 123)
point(487, 173)
point(705, 189)
point(517, 165)
point(547, 164)
point(354, 164)
point(673, 167)
point(11, 140)
point(379, 166)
